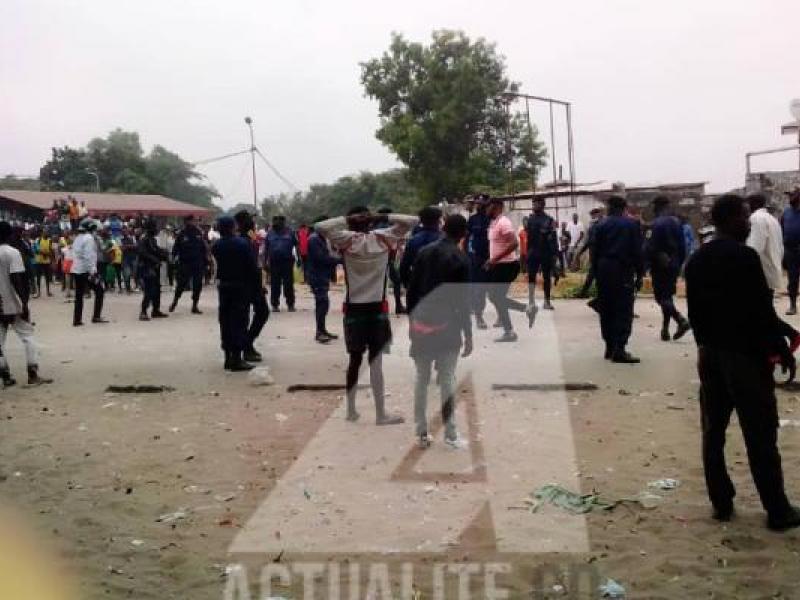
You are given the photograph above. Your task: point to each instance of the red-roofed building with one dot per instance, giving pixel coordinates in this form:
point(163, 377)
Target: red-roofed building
point(24, 205)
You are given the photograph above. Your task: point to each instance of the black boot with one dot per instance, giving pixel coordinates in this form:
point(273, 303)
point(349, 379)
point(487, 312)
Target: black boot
point(228, 360)
point(8, 380)
point(665, 337)
point(195, 310)
point(252, 355)
point(620, 355)
point(788, 520)
point(683, 328)
point(238, 364)
point(34, 378)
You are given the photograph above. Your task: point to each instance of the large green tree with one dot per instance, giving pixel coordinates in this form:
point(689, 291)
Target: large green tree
point(391, 189)
point(119, 164)
point(445, 113)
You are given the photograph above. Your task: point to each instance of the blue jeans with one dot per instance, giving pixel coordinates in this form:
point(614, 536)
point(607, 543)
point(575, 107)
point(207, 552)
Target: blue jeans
point(446, 378)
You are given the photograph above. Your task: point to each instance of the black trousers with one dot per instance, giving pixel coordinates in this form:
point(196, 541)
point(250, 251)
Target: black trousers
point(46, 272)
point(501, 277)
point(233, 317)
point(190, 276)
point(322, 305)
point(151, 288)
point(590, 277)
point(258, 303)
point(791, 260)
point(545, 265)
point(615, 297)
point(282, 277)
point(82, 285)
point(733, 381)
point(665, 281)
point(397, 285)
point(478, 289)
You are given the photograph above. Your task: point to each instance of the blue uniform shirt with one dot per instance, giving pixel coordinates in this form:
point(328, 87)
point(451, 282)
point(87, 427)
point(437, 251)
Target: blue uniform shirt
point(478, 232)
point(619, 238)
point(280, 244)
point(666, 237)
point(791, 226)
point(320, 266)
point(417, 242)
point(236, 264)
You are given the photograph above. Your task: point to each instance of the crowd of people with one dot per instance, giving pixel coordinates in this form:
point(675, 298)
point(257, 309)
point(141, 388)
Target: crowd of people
point(731, 279)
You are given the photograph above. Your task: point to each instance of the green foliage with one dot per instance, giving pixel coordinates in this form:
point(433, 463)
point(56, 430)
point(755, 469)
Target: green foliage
point(444, 114)
point(12, 182)
point(122, 166)
point(375, 190)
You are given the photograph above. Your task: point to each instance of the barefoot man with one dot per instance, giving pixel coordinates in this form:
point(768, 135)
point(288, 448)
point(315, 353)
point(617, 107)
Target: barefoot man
point(365, 255)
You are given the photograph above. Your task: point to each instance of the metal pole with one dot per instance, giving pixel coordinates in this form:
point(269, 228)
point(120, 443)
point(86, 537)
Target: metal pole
point(530, 133)
point(249, 122)
point(571, 152)
point(553, 156)
point(509, 150)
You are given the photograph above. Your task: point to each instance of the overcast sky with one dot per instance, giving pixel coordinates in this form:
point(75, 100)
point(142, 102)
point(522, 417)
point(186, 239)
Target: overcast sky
point(662, 91)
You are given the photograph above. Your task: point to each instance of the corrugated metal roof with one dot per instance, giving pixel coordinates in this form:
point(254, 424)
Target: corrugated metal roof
point(100, 203)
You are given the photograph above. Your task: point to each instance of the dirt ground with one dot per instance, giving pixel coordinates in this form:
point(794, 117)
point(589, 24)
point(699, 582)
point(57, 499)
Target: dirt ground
point(93, 474)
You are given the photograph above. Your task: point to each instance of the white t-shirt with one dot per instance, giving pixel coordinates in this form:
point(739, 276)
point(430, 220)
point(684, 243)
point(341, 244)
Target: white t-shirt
point(10, 262)
point(575, 230)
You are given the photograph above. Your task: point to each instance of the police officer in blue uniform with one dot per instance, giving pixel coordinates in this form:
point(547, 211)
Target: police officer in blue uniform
point(191, 253)
point(256, 293)
point(790, 223)
point(477, 245)
point(619, 270)
point(430, 219)
point(321, 270)
point(666, 253)
point(279, 251)
point(237, 271)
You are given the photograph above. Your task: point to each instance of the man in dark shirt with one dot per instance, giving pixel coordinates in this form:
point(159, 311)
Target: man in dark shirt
point(236, 266)
point(320, 271)
point(430, 219)
point(790, 223)
point(477, 245)
point(129, 245)
point(596, 215)
point(619, 268)
point(279, 250)
point(150, 257)
point(381, 222)
point(737, 331)
point(440, 316)
point(191, 253)
point(256, 294)
point(666, 253)
point(542, 251)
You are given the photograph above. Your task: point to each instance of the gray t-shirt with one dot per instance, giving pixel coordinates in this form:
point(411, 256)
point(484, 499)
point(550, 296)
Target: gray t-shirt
point(10, 262)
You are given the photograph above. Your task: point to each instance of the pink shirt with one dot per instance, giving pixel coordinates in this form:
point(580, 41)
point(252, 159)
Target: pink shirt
point(501, 237)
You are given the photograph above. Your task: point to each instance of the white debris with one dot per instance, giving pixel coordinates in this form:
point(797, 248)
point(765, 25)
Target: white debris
point(260, 376)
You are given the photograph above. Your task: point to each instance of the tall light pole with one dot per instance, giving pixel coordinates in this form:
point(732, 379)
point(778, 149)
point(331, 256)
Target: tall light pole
point(249, 122)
